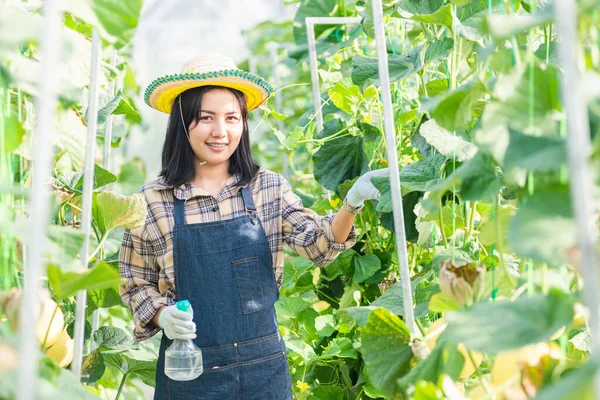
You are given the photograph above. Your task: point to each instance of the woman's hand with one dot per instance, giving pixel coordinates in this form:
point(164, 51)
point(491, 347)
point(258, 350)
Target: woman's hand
point(363, 189)
point(176, 324)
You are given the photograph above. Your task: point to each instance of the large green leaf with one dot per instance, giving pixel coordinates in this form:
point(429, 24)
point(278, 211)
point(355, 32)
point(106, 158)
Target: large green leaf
point(64, 244)
point(573, 384)
point(365, 267)
point(66, 284)
point(494, 327)
point(454, 110)
point(442, 16)
point(422, 175)
point(519, 88)
point(327, 393)
point(113, 338)
point(448, 144)
point(345, 98)
point(544, 228)
point(13, 133)
point(112, 210)
point(290, 306)
point(439, 50)
point(420, 6)
point(73, 181)
point(93, 367)
point(119, 18)
point(117, 106)
point(541, 153)
point(444, 359)
point(312, 8)
point(145, 370)
point(385, 350)
point(340, 347)
point(366, 69)
point(338, 160)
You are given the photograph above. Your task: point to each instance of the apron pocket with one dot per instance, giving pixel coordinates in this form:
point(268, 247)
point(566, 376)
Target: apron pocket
point(247, 275)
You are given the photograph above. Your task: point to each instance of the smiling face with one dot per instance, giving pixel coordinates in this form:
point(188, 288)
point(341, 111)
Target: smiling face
point(217, 131)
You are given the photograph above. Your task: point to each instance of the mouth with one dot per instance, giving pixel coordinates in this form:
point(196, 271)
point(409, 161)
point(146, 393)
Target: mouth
point(217, 145)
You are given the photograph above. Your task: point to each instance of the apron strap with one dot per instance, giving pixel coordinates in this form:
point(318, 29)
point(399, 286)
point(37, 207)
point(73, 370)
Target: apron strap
point(248, 201)
point(179, 212)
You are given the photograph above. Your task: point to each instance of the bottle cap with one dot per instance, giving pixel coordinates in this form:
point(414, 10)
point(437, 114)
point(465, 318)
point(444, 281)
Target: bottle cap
point(184, 305)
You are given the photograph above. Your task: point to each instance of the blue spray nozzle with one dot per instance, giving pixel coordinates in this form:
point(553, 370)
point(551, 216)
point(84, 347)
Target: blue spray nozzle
point(184, 305)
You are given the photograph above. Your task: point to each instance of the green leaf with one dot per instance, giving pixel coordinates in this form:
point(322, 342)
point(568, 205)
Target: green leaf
point(340, 347)
point(422, 175)
point(420, 6)
point(448, 144)
point(312, 8)
point(66, 284)
point(385, 350)
point(365, 267)
point(290, 306)
point(338, 160)
point(325, 325)
point(479, 178)
point(434, 87)
point(443, 360)
point(442, 16)
point(112, 210)
point(455, 110)
point(143, 369)
point(13, 133)
point(494, 327)
point(345, 98)
point(535, 153)
point(117, 106)
point(366, 69)
point(301, 348)
point(327, 393)
point(514, 88)
point(439, 50)
point(440, 303)
point(385, 201)
point(119, 18)
point(113, 338)
point(543, 228)
point(505, 26)
point(93, 367)
point(65, 243)
point(574, 384)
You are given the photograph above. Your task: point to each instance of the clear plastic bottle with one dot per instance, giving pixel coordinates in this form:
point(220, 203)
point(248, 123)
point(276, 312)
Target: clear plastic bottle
point(183, 359)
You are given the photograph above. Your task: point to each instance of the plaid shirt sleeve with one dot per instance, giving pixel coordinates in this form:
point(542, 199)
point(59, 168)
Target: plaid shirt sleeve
point(309, 234)
point(140, 291)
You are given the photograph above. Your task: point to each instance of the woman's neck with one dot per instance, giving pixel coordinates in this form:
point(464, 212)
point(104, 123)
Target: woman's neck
point(211, 177)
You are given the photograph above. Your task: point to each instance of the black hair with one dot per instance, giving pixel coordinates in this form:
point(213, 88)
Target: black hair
point(178, 158)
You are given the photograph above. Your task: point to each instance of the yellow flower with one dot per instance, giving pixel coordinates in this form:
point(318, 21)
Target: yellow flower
point(302, 386)
point(367, 119)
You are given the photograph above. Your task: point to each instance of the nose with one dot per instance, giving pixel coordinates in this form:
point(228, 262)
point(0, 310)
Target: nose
point(219, 128)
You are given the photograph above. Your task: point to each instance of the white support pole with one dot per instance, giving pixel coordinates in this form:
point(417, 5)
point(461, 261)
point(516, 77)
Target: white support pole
point(39, 199)
point(392, 156)
point(312, 56)
point(106, 165)
point(86, 209)
point(580, 172)
point(273, 51)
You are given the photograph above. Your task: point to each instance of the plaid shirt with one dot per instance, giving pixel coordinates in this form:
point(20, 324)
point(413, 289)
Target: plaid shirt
point(146, 256)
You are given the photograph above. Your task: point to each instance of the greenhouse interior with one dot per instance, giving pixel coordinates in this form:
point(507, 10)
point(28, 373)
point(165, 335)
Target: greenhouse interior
point(300, 199)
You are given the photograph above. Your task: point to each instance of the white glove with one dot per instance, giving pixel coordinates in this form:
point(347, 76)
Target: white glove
point(363, 189)
point(176, 324)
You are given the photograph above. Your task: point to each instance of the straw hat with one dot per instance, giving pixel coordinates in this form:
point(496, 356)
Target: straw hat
point(202, 71)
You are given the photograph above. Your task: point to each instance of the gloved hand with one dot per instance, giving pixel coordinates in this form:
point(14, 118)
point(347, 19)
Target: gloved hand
point(176, 324)
point(363, 189)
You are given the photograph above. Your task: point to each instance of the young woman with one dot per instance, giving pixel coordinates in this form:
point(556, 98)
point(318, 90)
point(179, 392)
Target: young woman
point(214, 235)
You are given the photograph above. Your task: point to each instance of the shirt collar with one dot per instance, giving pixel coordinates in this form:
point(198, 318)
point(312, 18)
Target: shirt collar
point(187, 191)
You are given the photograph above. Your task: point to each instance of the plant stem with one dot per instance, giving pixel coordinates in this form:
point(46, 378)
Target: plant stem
point(121, 386)
point(473, 207)
point(97, 249)
point(441, 216)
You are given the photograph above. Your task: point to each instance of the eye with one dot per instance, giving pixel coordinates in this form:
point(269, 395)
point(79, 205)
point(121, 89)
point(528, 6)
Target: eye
point(233, 118)
point(204, 118)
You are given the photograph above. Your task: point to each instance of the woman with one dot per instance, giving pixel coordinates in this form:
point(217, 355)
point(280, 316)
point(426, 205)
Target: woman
point(214, 234)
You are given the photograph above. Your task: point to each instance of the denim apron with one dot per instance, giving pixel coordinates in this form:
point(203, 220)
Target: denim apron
point(225, 270)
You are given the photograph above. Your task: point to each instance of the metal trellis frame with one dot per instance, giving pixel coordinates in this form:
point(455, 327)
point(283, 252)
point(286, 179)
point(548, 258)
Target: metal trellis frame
point(88, 188)
point(392, 156)
point(39, 200)
point(312, 55)
point(106, 165)
point(578, 152)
